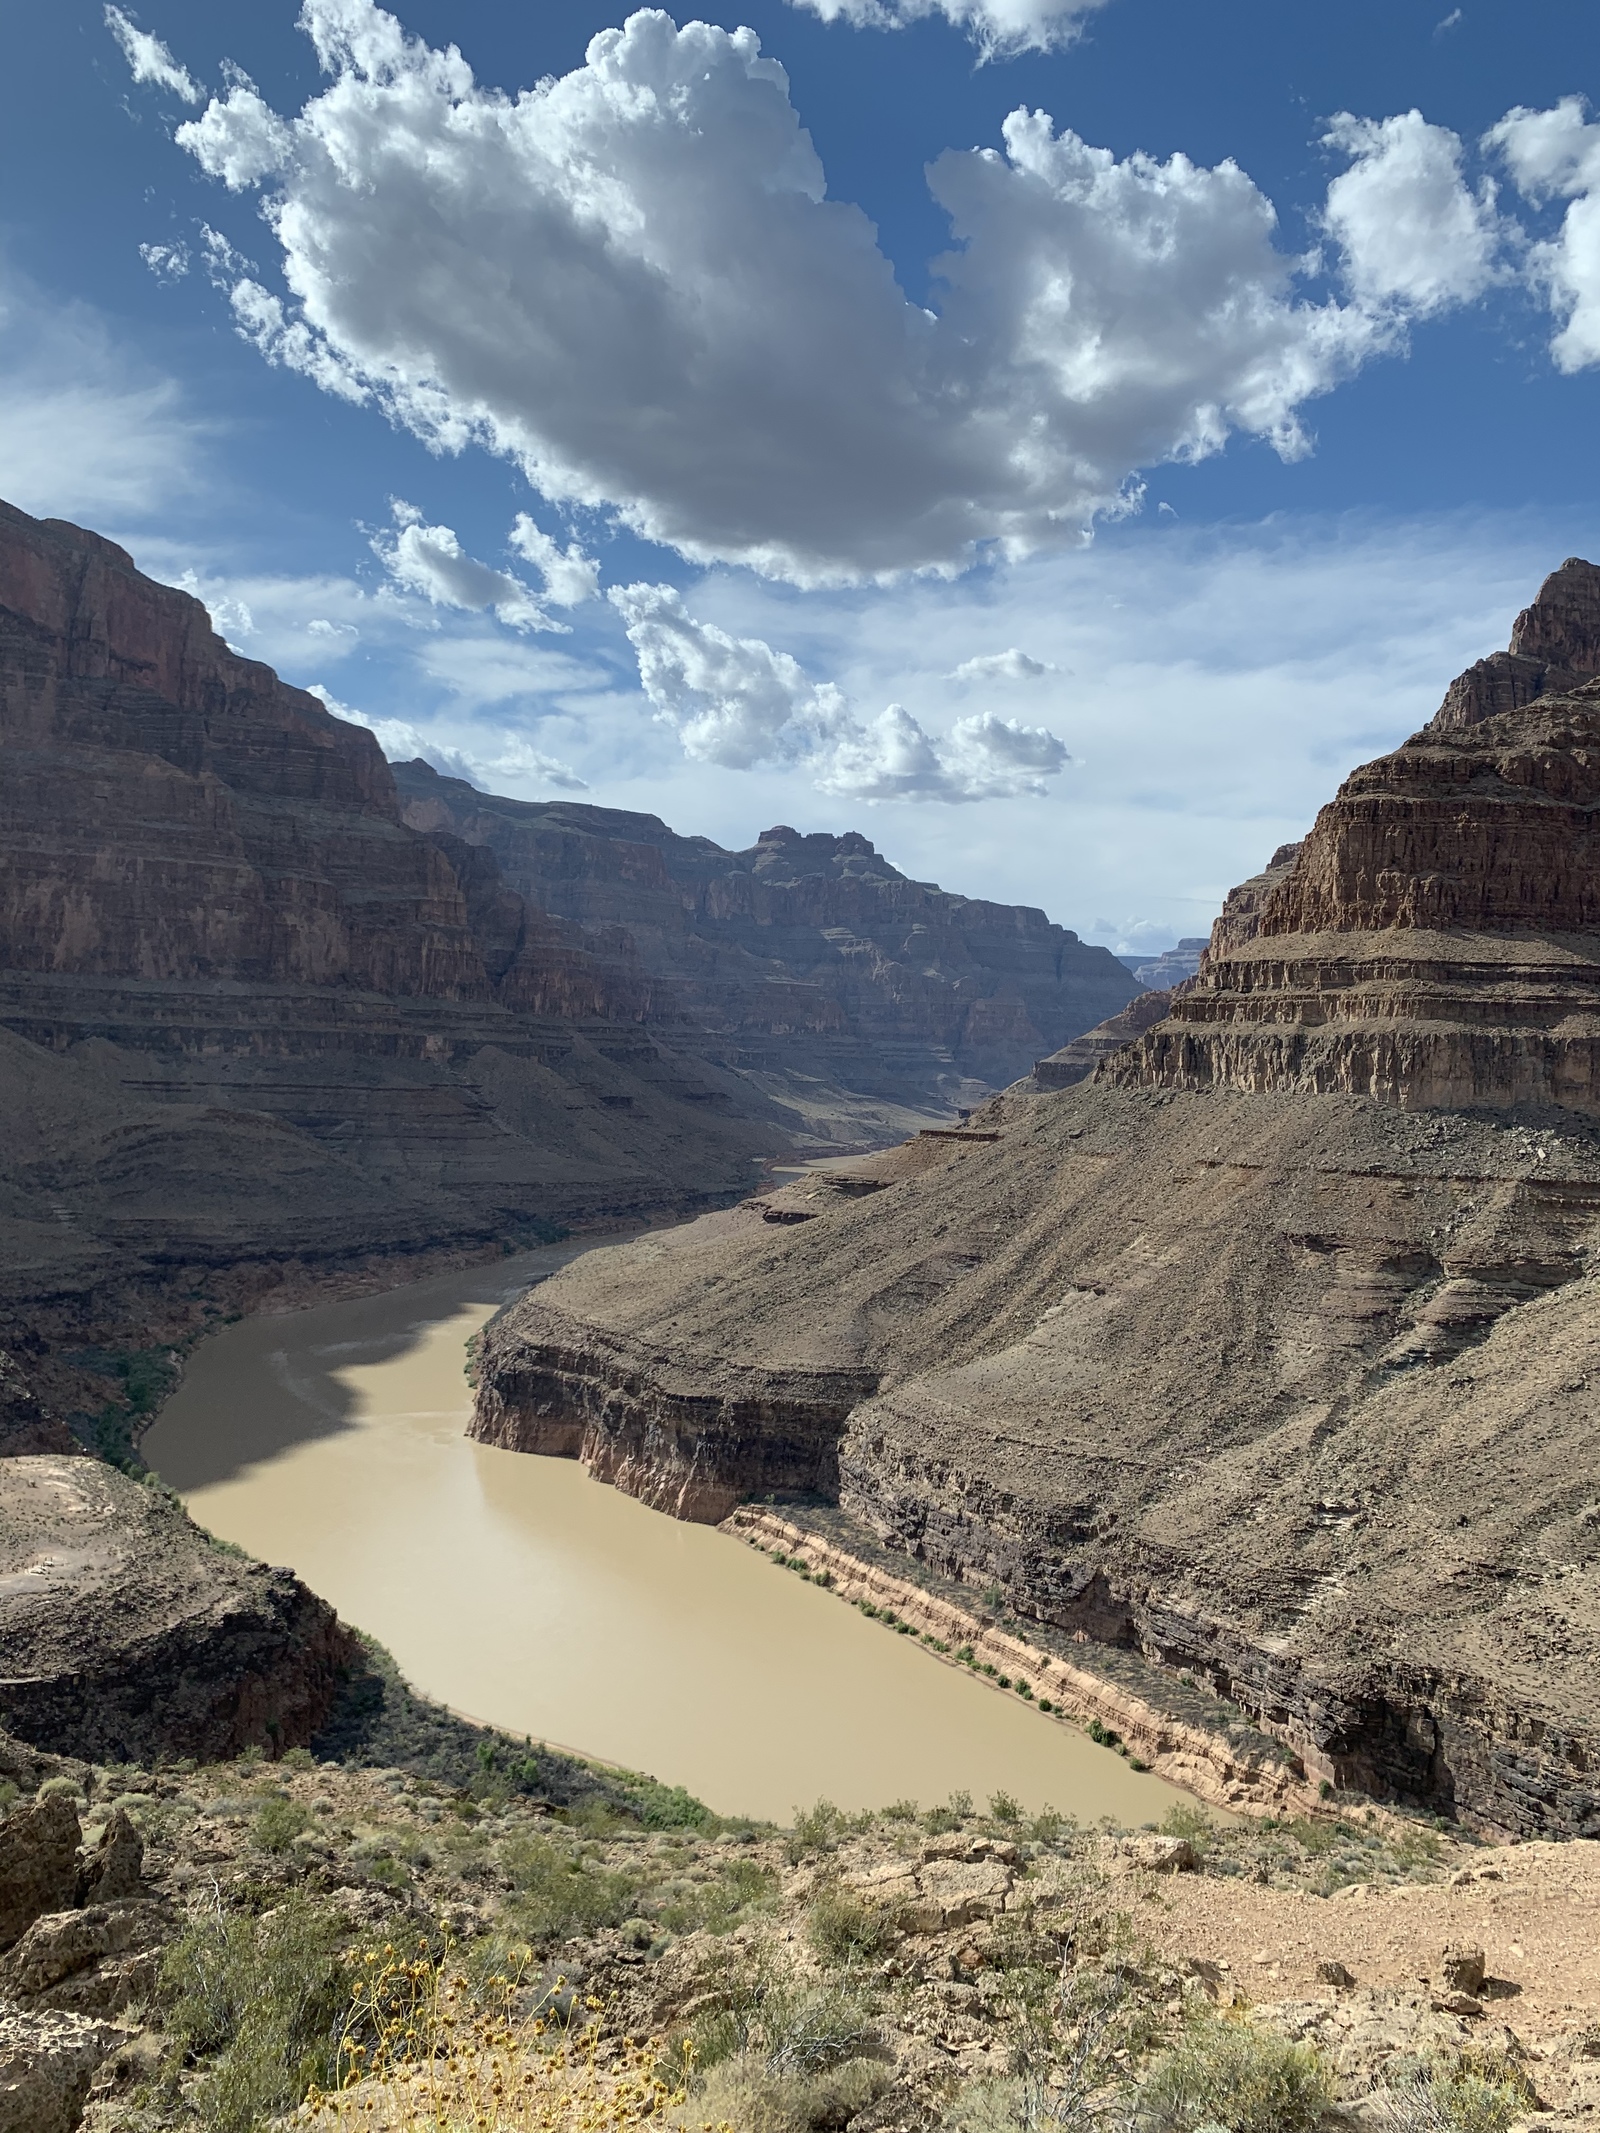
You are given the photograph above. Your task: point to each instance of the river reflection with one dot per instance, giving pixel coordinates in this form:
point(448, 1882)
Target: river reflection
point(524, 1594)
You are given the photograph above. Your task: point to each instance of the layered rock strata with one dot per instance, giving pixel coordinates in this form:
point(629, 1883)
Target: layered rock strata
point(1077, 1060)
point(800, 939)
point(129, 1635)
point(1434, 942)
point(1555, 645)
point(1266, 1350)
point(1290, 1394)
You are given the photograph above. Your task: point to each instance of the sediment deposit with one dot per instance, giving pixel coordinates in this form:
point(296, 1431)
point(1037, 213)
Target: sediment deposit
point(1264, 1352)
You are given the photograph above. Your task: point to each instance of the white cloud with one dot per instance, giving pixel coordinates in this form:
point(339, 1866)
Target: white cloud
point(237, 138)
point(736, 702)
point(86, 432)
point(1009, 665)
point(733, 700)
point(997, 27)
point(570, 576)
point(431, 561)
point(167, 262)
point(513, 761)
point(1555, 154)
point(1411, 231)
point(150, 60)
point(632, 281)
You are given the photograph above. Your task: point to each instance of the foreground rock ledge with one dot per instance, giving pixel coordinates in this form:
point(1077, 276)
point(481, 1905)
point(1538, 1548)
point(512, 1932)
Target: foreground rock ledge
point(127, 1634)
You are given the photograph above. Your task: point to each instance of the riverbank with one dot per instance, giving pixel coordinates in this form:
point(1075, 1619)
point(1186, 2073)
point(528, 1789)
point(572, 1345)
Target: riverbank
point(1228, 1765)
point(523, 1591)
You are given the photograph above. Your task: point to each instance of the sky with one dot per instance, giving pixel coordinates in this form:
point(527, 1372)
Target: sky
point(1059, 438)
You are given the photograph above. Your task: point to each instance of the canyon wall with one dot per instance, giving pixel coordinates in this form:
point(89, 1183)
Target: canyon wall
point(1436, 938)
point(1260, 1345)
point(795, 938)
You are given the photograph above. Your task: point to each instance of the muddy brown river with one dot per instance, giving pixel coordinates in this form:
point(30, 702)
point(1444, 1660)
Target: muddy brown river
point(523, 1594)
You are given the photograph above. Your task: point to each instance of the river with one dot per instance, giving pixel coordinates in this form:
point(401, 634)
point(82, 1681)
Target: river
point(527, 1596)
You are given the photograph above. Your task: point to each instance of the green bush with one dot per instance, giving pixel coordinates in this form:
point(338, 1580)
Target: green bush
point(1242, 2079)
point(278, 1821)
point(259, 2005)
point(791, 2027)
point(1460, 2099)
point(845, 1928)
point(1191, 1823)
point(559, 1893)
point(718, 1906)
point(816, 1829)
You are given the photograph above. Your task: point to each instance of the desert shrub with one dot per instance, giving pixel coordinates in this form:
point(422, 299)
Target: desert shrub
point(717, 1906)
point(1070, 2038)
point(1242, 2079)
point(667, 1806)
point(1191, 1823)
point(1004, 1808)
point(817, 1829)
point(1464, 2098)
point(60, 1788)
point(260, 2004)
point(745, 2095)
point(278, 1821)
point(428, 2049)
point(792, 2027)
point(845, 1928)
point(560, 1893)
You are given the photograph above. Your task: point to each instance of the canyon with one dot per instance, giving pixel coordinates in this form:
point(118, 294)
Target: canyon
point(1251, 1336)
point(273, 1025)
point(278, 1024)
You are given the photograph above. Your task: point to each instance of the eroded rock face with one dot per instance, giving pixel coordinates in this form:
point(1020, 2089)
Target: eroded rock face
point(38, 1863)
point(47, 2062)
point(1555, 644)
point(1435, 941)
point(797, 937)
point(129, 1635)
point(1077, 1060)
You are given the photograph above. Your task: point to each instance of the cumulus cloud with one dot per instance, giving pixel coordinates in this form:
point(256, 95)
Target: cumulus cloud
point(512, 760)
point(1410, 229)
point(430, 560)
point(1009, 665)
point(570, 576)
point(631, 280)
point(737, 702)
point(149, 60)
point(1555, 155)
point(237, 138)
point(997, 27)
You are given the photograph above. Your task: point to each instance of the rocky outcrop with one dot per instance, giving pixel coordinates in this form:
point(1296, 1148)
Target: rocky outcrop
point(796, 938)
point(1435, 940)
point(1077, 1060)
point(129, 1635)
point(1162, 972)
point(1555, 644)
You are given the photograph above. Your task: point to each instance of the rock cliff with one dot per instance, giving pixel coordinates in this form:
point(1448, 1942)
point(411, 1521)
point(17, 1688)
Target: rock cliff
point(1264, 1351)
point(129, 1635)
point(798, 938)
point(266, 1022)
point(1555, 644)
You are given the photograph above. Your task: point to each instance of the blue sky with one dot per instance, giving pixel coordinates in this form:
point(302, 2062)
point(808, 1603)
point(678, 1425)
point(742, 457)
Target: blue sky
point(651, 441)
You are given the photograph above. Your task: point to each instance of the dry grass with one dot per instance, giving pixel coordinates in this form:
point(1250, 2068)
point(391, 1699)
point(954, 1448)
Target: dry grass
point(427, 2050)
